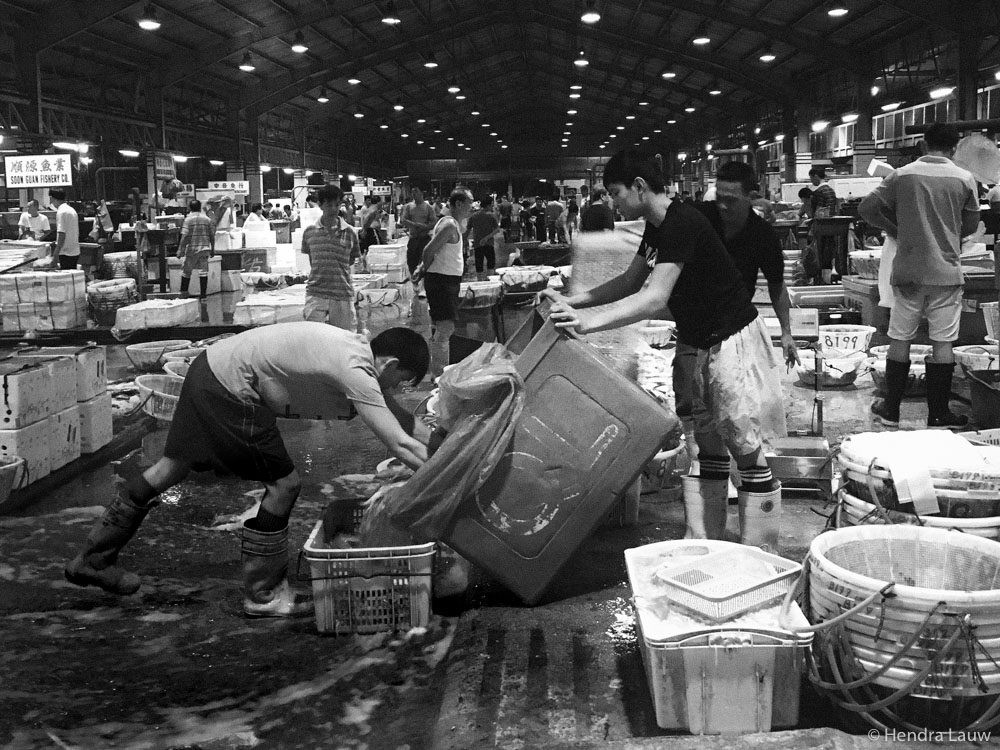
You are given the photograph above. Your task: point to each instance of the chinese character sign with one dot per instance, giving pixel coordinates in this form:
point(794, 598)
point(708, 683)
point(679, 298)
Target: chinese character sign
point(44, 170)
point(239, 187)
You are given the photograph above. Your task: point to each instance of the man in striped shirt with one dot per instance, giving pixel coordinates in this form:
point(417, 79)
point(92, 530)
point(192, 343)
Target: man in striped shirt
point(196, 247)
point(332, 246)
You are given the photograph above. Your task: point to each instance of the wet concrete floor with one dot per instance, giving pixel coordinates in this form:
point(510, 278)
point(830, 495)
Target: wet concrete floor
point(177, 665)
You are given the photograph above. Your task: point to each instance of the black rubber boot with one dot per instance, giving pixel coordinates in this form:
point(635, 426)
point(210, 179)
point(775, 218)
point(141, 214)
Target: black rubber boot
point(939, 416)
point(886, 410)
point(266, 591)
point(97, 565)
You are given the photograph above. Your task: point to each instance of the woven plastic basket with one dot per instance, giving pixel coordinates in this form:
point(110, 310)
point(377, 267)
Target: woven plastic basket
point(148, 357)
point(852, 511)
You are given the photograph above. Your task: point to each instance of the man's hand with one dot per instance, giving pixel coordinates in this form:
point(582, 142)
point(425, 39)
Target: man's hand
point(418, 273)
point(790, 349)
point(565, 316)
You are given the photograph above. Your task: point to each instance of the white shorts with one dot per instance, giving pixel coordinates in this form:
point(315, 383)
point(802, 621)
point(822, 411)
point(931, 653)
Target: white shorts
point(339, 313)
point(941, 305)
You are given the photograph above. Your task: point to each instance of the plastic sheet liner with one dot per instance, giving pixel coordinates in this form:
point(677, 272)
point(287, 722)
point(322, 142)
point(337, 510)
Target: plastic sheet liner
point(481, 399)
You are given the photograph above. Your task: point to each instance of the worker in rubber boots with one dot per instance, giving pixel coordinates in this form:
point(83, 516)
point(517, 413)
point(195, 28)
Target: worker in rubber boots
point(735, 371)
point(226, 419)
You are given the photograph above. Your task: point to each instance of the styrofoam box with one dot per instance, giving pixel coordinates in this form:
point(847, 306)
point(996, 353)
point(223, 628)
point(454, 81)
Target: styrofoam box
point(230, 281)
point(27, 394)
point(62, 377)
point(46, 286)
point(394, 272)
point(32, 444)
point(96, 429)
point(368, 280)
point(64, 437)
point(44, 316)
point(91, 367)
point(255, 312)
point(260, 238)
point(175, 265)
point(158, 313)
point(386, 255)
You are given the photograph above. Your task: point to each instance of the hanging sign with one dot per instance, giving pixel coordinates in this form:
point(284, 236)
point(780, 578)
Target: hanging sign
point(163, 165)
point(381, 190)
point(240, 187)
point(44, 170)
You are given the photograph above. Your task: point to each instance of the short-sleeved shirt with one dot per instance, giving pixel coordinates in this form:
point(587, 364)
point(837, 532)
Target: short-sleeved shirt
point(756, 248)
point(553, 211)
point(481, 226)
point(200, 230)
point(927, 199)
point(38, 225)
point(824, 200)
point(68, 222)
point(709, 301)
point(298, 370)
point(331, 253)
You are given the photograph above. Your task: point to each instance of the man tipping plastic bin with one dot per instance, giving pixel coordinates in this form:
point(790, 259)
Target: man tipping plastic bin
point(690, 271)
point(226, 419)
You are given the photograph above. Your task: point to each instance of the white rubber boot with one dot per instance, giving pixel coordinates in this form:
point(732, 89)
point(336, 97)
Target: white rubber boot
point(704, 507)
point(266, 591)
point(760, 519)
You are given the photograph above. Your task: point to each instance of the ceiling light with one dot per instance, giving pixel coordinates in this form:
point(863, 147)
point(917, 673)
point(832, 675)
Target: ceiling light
point(668, 74)
point(322, 98)
point(629, 117)
point(451, 138)
point(438, 130)
point(761, 143)
point(398, 107)
point(701, 35)
point(390, 17)
point(779, 137)
point(475, 113)
point(569, 124)
point(574, 96)
point(359, 115)
point(493, 134)
point(404, 135)
point(613, 135)
point(180, 158)
point(819, 126)
point(875, 90)
point(941, 92)
point(565, 145)
point(430, 62)
point(288, 170)
point(689, 109)
point(265, 167)
point(148, 20)
point(590, 14)
point(421, 121)
point(602, 146)
point(504, 146)
point(645, 138)
point(890, 106)
point(570, 111)
point(576, 87)
point(383, 126)
point(849, 117)
point(460, 97)
point(581, 61)
point(681, 156)
point(997, 75)
point(454, 88)
point(216, 162)
point(619, 127)
point(65, 145)
point(352, 177)
point(836, 10)
point(85, 160)
point(767, 56)
point(658, 130)
point(128, 152)
point(644, 101)
point(708, 146)
point(419, 143)
point(671, 122)
point(299, 44)
point(433, 148)
point(354, 81)
point(564, 140)
point(715, 90)
point(460, 144)
point(566, 132)
point(246, 65)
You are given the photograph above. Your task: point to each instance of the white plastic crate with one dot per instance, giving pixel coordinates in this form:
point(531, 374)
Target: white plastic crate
point(27, 394)
point(91, 366)
point(96, 428)
point(64, 437)
point(982, 437)
point(394, 272)
point(386, 255)
point(369, 590)
point(30, 443)
point(176, 265)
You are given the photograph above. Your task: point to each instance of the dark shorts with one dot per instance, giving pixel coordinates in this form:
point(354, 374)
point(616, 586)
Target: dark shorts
point(213, 429)
point(415, 250)
point(442, 295)
point(68, 262)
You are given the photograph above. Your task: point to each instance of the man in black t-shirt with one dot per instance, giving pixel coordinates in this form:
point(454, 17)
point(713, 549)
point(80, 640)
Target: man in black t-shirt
point(690, 272)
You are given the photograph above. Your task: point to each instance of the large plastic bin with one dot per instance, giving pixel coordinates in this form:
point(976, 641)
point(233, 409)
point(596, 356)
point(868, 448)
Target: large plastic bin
point(584, 436)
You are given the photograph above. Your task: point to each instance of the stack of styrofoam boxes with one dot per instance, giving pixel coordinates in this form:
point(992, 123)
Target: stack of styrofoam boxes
point(266, 308)
point(158, 313)
point(44, 301)
point(389, 260)
point(24, 412)
point(261, 244)
point(80, 421)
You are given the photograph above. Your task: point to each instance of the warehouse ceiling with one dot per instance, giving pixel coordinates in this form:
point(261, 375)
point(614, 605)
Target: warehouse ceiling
point(514, 63)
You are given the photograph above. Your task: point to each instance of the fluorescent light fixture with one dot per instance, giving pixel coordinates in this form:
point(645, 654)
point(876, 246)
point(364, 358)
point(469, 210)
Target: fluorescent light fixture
point(645, 138)
point(390, 17)
point(875, 90)
point(590, 14)
point(128, 152)
point(359, 115)
point(581, 61)
point(246, 64)
point(681, 156)
point(404, 135)
point(288, 170)
point(619, 127)
point(383, 126)
point(849, 117)
point(265, 167)
point(574, 96)
point(148, 20)
point(701, 37)
point(657, 130)
point(451, 138)
point(671, 122)
point(629, 117)
point(890, 106)
point(836, 10)
point(180, 158)
point(668, 74)
point(767, 56)
point(398, 107)
point(216, 162)
point(430, 62)
point(819, 126)
point(613, 135)
point(85, 160)
point(566, 132)
point(460, 97)
point(779, 137)
point(689, 109)
point(420, 143)
point(744, 147)
point(433, 148)
point(576, 87)
point(941, 92)
point(437, 131)
point(299, 45)
point(322, 98)
point(565, 145)
point(570, 111)
point(64, 145)
point(421, 121)
point(569, 124)
point(493, 134)
point(602, 146)
point(504, 146)
point(715, 90)
point(354, 81)
point(475, 113)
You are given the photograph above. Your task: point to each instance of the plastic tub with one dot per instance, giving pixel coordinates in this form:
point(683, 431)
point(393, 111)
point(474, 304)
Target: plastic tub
point(658, 333)
point(160, 394)
point(977, 357)
point(837, 372)
point(917, 352)
point(916, 384)
point(186, 355)
point(854, 511)
point(848, 338)
point(149, 356)
point(176, 367)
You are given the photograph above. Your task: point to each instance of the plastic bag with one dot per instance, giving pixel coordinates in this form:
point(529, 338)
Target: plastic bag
point(481, 399)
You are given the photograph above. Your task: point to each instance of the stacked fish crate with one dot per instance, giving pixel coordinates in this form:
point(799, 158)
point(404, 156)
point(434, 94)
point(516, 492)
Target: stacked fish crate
point(43, 301)
point(55, 407)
